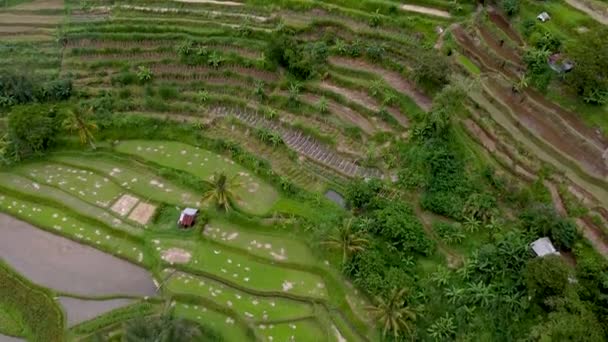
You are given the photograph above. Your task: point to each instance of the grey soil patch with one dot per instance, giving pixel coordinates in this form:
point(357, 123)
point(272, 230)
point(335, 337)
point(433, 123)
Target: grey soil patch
point(124, 205)
point(336, 198)
point(79, 310)
point(143, 213)
point(64, 265)
point(40, 4)
point(4, 338)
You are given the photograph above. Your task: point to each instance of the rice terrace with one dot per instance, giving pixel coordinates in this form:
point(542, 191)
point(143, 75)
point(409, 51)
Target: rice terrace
point(303, 170)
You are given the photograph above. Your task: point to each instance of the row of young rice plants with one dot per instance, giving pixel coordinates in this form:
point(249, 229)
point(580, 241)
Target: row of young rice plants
point(244, 270)
point(59, 221)
point(253, 194)
point(250, 307)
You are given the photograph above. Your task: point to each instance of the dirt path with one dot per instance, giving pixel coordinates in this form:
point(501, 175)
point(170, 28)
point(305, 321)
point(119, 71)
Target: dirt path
point(426, 10)
point(211, 2)
point(4, 338)
point(39, 5)
point(393, 78)
point(595, 13)
point(67, 266)
point(504, 25)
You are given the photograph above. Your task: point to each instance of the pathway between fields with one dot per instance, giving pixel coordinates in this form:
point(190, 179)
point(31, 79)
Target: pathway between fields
point(426, 10)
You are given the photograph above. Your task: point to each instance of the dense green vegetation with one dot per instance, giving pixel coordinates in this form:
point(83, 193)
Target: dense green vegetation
point(251, 111)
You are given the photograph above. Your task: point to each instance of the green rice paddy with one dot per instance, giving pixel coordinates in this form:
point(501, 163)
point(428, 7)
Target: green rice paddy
point(252, 307)
point(226, 325)
point(268, 246)
point(140, 180)
point(254, 195)
point(245, 271)
point(305, 330)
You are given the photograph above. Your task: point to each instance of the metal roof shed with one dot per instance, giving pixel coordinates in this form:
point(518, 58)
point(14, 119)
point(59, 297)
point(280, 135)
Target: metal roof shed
point(543, 246)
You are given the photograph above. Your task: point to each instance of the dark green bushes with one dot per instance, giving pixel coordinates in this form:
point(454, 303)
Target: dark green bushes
point(301, 59)
point(19, 88)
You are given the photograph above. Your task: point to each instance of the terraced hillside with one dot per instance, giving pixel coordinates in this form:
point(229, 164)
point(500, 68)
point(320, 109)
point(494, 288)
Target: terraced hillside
point(367, 170)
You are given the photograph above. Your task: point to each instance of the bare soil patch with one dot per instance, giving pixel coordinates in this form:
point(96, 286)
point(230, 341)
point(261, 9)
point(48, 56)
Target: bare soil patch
point(27, 19)
point(394, 79)
point(550, 129)
point(176, 256)
point(142, 213)
point(426, 10)
point(124, 204)
point(64, 265)
point(40, 4)
point(504, 25)
point(498, 47)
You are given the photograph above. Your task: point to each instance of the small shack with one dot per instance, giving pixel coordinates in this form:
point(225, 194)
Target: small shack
point(187, 218)
point(544, 16)
point(560, 64)
point(543, 246)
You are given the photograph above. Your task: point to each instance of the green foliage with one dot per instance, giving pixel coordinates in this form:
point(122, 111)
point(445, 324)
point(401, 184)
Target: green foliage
point(144, 74)
point(430, 68)
point(38, 310)
point(32, 129)
point(396, 223)
point(167, 329)
point(443, 329)
point(546, 276)
point(450, 233)
point(511, 7)
point(589, 78)
point(269, 137)
point(542, 220)
point(21, 88)
point(301, 59)
point(362, 195)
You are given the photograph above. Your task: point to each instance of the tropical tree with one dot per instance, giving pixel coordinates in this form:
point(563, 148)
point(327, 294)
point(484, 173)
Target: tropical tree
point(443, 328)
point(221, 191)
point(76, 121)
point(346, 240)
point(202, 96)
point(471, 224)
point(393, 314)
point(215, 59)
point(481, 293)
point(144, 74)
point(521, 84)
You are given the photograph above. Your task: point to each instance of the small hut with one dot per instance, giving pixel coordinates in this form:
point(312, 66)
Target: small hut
point(560, 64)
point(543, 17)
point(187, 218)
point(543, 246)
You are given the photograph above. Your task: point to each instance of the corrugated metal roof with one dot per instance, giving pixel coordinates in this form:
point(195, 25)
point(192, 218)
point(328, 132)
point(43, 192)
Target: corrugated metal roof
point(543, 246)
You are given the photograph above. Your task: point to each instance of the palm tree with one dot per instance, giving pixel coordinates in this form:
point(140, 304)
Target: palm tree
point(323, 105)
point(258, 90)
point(77, 122)
point(393, 313)
point(521, 84)
point(221, 191)
point(347, 240)
point(294, 92)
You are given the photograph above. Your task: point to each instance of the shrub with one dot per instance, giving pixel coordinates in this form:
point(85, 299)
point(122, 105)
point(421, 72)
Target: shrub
point(511, 7)
point(449, 233)
point(32, 128)
point(301, 59)
point(546, 276)
point(144, 74)
point(361, 194)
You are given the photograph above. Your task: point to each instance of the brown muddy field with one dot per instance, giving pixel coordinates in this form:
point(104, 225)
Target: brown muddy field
point(64, 265)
